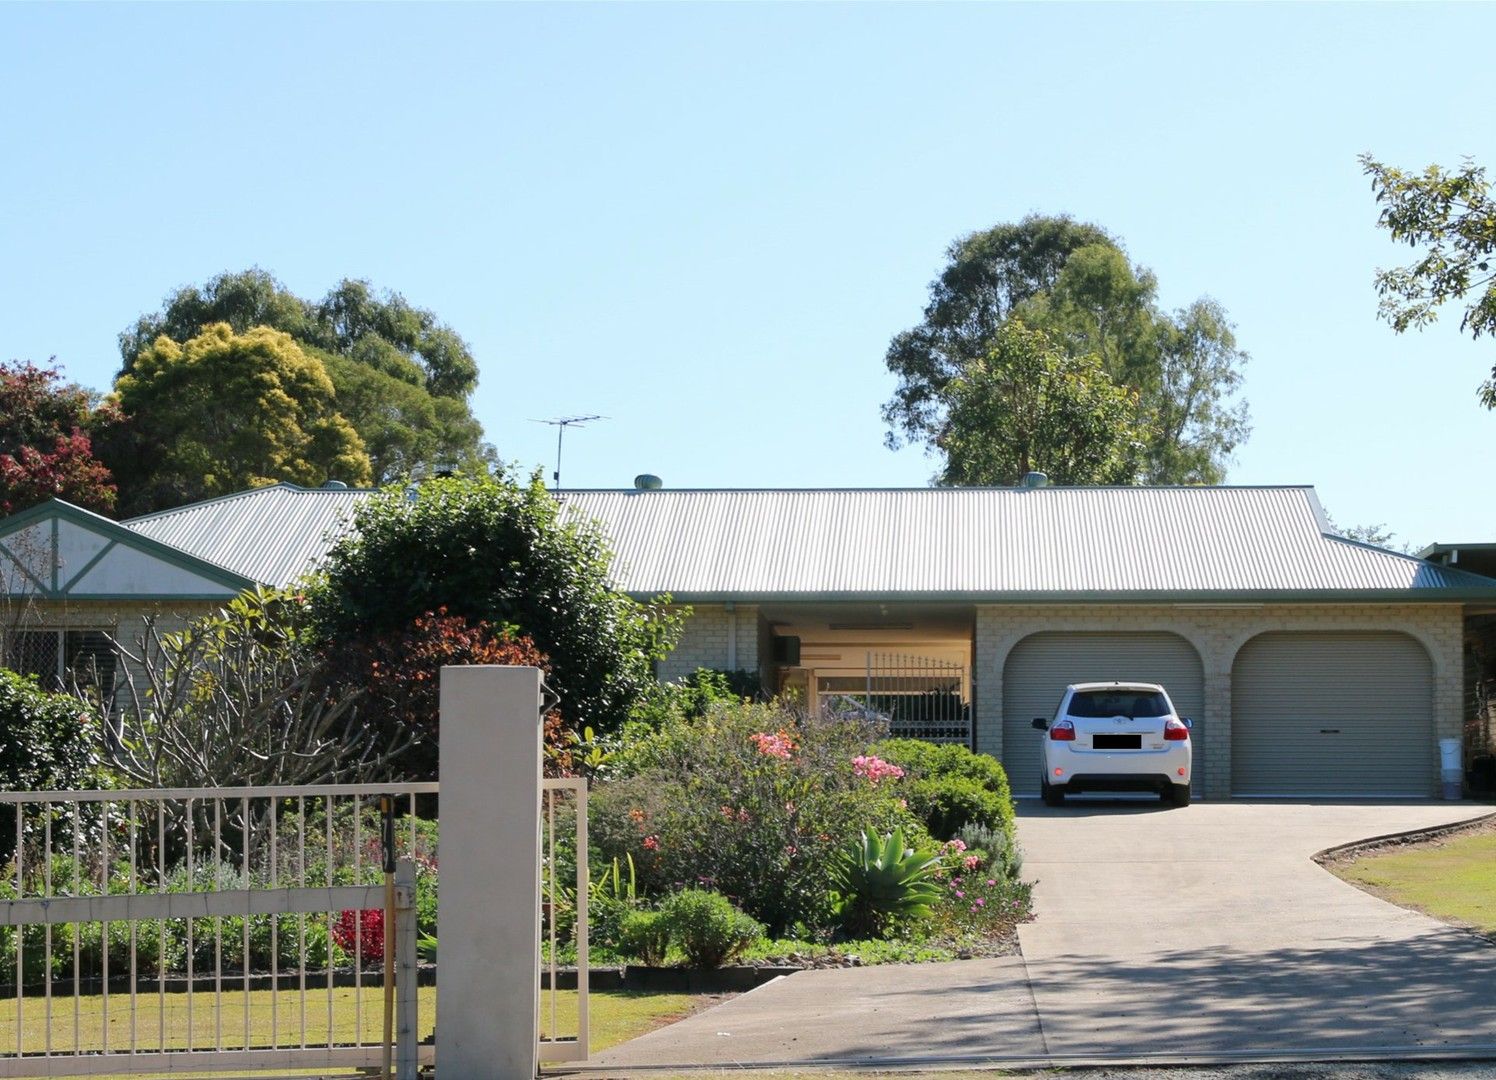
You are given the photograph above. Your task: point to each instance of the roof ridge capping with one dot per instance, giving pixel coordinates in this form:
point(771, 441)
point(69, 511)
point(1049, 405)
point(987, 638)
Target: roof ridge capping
point(1051, 488)
point(279, 485)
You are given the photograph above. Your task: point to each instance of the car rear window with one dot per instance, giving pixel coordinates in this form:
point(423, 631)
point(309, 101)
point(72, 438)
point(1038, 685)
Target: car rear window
point(1134, 703)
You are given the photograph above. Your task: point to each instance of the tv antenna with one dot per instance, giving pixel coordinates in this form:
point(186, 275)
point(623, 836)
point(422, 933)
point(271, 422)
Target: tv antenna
point(561, 423)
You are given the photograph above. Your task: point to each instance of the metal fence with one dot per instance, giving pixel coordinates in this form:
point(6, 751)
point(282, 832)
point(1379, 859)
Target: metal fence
point(920, 697)
point(158, 932)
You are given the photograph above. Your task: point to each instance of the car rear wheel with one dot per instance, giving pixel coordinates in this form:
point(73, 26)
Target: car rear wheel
point(1053, 796)
point(1178, 795)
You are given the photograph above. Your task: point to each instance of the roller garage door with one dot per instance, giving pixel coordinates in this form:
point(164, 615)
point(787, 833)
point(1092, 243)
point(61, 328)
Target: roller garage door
point(1332, 714)
point(1042, 665)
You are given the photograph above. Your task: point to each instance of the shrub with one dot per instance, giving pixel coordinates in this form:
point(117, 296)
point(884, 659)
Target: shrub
point(937, 793)
point(361, 930)
point(999, 846)
point(48, 742)
point(751, 800)
point(400, 674)
point(645, 935)
point(500, 551)
point(946, 803)
point(709, 930)
point(880, 882)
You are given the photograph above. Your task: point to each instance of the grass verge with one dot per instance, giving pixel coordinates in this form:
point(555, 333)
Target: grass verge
point(1451, 878)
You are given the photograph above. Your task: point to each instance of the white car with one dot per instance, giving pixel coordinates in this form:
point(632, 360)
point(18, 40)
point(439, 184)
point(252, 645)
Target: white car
point(1116, 736)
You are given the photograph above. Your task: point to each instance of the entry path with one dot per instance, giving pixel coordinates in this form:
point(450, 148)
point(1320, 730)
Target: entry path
point(1201, 931)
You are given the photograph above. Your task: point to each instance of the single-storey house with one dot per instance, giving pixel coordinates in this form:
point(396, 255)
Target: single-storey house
point(1312, 665)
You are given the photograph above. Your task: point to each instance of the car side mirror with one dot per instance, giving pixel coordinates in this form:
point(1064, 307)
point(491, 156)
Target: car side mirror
point(1041, 724)
point(1187, 722)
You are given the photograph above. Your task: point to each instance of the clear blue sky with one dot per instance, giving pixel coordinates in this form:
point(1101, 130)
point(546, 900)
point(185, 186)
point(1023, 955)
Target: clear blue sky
point(707, 221)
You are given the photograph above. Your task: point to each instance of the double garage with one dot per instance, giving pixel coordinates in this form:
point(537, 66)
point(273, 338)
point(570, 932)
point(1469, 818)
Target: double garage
point(1312, 714)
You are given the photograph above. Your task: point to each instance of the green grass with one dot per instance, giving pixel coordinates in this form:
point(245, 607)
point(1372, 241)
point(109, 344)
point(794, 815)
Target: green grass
point(616, 1016)
point(1453, 879)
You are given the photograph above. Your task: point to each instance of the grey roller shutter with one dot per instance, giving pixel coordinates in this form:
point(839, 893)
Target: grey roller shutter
point(1332, 714)
point(1042, 665)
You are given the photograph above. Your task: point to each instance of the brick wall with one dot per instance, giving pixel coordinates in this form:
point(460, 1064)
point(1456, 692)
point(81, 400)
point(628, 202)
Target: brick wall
point(1217, 633)
point(125, 623)
point(716, 637)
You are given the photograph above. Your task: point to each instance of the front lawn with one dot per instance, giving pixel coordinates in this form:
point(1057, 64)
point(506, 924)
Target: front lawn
point(616, 1016)
point(1451, 878)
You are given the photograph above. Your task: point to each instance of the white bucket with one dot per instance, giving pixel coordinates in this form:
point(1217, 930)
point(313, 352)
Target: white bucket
point(1451, 774)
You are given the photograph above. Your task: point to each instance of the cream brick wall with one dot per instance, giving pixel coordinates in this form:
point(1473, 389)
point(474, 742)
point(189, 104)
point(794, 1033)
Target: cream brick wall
point(1217, 633)
point(716, 637)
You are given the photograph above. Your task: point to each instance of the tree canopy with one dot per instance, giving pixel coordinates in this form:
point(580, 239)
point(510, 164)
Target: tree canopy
point(1074, 282)
point(488, 549)
point(1028, 405)
point(402, 378)
point(227, 411)
point(46, 446)
point(1452, 216)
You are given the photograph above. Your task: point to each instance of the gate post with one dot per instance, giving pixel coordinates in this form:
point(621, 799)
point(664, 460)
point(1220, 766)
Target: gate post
point(488, 908)
point(407, 989)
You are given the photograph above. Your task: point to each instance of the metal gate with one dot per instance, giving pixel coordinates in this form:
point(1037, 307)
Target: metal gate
point(564, 904)
point(166, 931)
point(920, 697)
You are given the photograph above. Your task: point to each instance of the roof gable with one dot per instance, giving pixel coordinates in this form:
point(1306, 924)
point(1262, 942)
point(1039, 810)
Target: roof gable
point(60, 551)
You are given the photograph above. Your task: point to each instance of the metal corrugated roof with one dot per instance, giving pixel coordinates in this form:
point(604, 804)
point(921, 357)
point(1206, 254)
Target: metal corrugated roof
point(1059, 543)
point(273, 535)
point(998, 543)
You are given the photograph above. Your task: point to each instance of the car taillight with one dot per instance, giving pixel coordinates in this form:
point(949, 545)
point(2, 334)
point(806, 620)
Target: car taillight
point(1062, 731)
point(1175, 731)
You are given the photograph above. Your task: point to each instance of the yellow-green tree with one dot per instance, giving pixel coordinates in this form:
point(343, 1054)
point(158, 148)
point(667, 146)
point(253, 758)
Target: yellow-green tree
point(225, 411)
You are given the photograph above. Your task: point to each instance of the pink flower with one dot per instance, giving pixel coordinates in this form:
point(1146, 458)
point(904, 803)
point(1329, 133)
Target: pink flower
point(956, 845)
point(991, 882)
point(971, 862)
point(652, 843)
point(780, 744)
point(875, 769)
point(981, 902)
point(960, 895)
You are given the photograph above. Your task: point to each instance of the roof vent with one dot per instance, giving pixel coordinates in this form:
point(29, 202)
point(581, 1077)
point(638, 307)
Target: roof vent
point(335, 485)
point(1034, 480)
point(648, 482)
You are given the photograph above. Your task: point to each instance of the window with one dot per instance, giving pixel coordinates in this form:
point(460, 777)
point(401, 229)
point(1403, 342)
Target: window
point(56, 657)
point(1095, 704)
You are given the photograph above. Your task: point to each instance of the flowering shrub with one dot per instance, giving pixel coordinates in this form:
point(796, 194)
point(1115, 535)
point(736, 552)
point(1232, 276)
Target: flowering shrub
point(361, 930)
point(875, 769)
point(977, 903)
point(780, 744)
point(752, 801)
point(949, 787)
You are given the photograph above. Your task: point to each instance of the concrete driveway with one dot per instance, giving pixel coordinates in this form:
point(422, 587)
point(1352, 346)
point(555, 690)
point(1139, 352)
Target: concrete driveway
point(1205, 933)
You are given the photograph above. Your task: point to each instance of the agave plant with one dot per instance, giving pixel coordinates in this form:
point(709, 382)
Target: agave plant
point(878, 881)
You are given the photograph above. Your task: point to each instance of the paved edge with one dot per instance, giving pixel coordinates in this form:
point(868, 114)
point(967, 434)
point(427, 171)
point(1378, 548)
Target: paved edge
point(1410, 836)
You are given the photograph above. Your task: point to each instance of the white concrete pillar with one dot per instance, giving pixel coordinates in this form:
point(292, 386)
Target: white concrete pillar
point(488, 913)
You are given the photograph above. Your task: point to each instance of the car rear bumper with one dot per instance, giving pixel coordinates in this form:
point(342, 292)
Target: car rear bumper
point(1082, 782)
